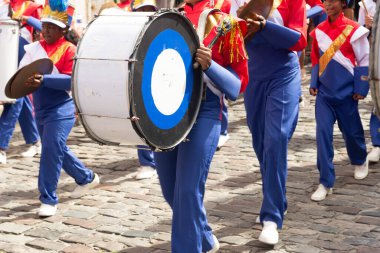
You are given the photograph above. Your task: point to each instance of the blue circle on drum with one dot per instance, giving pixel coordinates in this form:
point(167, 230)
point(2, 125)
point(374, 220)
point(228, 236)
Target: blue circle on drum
point(167, 39)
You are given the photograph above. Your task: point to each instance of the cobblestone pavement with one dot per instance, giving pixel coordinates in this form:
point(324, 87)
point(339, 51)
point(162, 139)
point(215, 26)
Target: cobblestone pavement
point(125, 215)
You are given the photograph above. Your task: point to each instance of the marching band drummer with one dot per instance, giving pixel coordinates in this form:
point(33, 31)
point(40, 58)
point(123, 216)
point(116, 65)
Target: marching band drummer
point(55, 108)
point(272, 102)
point(22, 109)
point(183, 171)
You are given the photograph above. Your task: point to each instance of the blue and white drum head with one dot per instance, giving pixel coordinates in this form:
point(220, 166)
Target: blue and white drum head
point(165, 90)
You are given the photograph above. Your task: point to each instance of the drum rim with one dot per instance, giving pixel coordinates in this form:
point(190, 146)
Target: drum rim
point(9, 21)
point(136, 126)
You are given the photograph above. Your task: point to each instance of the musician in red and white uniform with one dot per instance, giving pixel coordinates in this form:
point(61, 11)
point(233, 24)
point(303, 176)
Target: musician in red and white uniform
point(272, 102)
point(183, 171)
point(54, 107)
point(125, 5)
point(340, 56)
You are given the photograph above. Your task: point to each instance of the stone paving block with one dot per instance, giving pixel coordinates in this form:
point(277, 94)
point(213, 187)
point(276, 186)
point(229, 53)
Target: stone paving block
point(88, 224)
point(44, 233)
point(110, 246)
point(369, 220)
point(79, 214)
point(46, 244)
point(78, 248)
point(17, 248)
point(137, 233)
point(13, 228)
point(77, 238)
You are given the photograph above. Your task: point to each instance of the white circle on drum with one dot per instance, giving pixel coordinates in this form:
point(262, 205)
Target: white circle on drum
point(168, 81)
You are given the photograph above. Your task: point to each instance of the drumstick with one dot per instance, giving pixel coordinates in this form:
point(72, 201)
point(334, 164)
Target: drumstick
point(365, 7)
point(221, 30)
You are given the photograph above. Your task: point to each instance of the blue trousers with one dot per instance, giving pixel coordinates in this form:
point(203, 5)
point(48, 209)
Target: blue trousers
point(56, 155)
point(182, 173)
point(347, 115)
point(374, 128)
point(272, 110)
point(146, 156)
point(21, 110)
point(224, 125)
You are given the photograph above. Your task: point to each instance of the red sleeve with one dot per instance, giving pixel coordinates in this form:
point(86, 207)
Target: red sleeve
point(314, 49)
point(297, 22)
point(67, 66)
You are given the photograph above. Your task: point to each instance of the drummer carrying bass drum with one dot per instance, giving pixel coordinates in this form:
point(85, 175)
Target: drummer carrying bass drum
point(183, 171)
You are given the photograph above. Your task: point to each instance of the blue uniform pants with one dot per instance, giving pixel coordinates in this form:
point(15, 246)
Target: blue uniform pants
point(347, 115)
point(374, 127)
point(272, 110)
point(182, 173)
point(56, 155)
point(21, 110)
point(146, 156)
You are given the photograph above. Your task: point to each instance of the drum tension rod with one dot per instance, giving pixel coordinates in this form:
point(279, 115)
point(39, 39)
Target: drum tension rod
point(100, 59)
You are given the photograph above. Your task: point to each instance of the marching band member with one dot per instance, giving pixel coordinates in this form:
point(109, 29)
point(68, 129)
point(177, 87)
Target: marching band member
point(340, 56)
point(22, 109)
point(55, 108)
point(272, 102)
point(183, 171)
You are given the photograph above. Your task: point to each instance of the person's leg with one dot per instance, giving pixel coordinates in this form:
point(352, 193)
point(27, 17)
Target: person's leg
point(28, 123)
point(166, 165)
point(8, 122)
point(325, 120)
point(281, 111)
point(374, 127)
point(147, 167)
point(191, 232)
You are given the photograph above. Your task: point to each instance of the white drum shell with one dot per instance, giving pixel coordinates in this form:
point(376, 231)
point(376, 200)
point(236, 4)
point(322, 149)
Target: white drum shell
point(101, 76)
point(9, 41)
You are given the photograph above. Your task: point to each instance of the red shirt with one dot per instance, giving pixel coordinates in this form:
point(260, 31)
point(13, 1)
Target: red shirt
point(26, 8)
point(125, 5)
point(62, 54)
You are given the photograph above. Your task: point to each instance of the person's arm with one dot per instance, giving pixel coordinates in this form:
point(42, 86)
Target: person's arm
point(314, 85)
point(360, 45)
point(57, 81)
point(293, 36)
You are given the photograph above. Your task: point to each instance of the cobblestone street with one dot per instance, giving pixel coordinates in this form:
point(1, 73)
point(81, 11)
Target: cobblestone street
point(125, 215)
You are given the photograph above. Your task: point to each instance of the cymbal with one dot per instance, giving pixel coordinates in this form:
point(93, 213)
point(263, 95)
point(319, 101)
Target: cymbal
point(261, 7)
point(16, 87)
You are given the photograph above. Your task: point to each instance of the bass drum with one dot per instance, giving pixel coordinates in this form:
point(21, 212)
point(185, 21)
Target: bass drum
point(134, 81)
point(9, 40)
point(374, 66)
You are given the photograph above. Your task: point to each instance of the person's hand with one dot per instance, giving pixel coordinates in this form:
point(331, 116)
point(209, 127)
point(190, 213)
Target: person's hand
point(239, 10)
point(255, 23)
point(313, 91)
point(203, 57)
point(35, 80)
point(368, 21)
point(357, 96)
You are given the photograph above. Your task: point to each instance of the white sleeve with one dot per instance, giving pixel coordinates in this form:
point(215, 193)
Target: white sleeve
point(361, 17)
point(360, 45)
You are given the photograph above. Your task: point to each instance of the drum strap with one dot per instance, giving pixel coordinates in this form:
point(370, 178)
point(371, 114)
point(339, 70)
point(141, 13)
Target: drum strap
point(202, 22)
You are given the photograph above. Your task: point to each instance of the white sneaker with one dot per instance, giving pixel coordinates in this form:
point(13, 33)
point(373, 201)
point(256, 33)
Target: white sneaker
point(80, 190)
point(3, 157)
point(374, 155)
point(145, 172)
point(47, 210)
point(269, 234)
point(216, 246)
point(258, 217)
point(32, 151)
point(222, 140)
point(321, 193)
point(361, 171)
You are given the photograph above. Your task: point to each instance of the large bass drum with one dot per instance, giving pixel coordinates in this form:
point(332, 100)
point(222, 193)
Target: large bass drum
point(9, 39)
point(134, 81)
point(374, 66)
